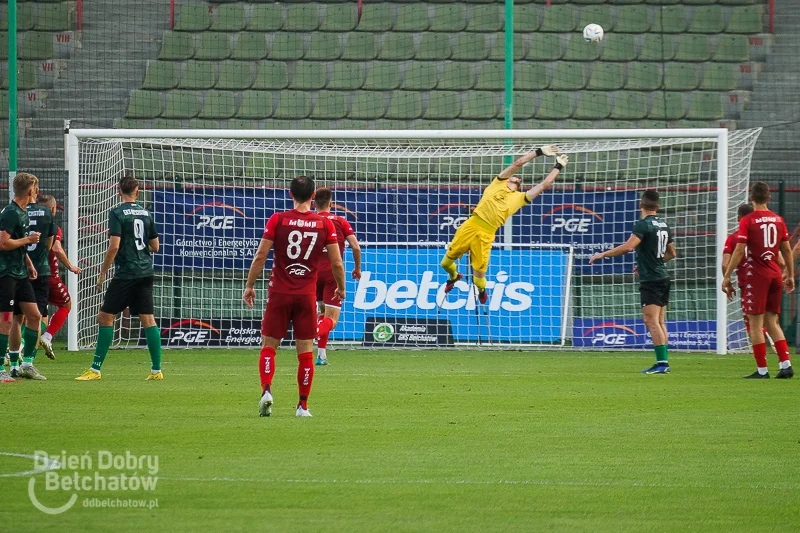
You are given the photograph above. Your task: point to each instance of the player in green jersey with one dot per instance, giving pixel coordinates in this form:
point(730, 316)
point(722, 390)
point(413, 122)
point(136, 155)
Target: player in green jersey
point(40, 219)
point(132, 239)
point(16, 272)
point(652, 240)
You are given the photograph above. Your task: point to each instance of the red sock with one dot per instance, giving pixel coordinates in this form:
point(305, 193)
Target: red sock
point(324, 327)
point(305, 376)
point(782, 347)
point(266, 368)
point(760, 353)
point(57, 321)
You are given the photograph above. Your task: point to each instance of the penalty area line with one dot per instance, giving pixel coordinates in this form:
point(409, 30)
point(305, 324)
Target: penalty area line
point(50, 465)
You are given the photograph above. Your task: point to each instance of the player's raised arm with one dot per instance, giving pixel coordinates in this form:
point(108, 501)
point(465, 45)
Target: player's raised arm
point(561, 162)
point(351, 239)
point(256, 267)
point(629, 246)
point(525, 159)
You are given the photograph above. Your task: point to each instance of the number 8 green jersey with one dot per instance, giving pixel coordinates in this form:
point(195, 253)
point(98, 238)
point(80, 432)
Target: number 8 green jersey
point(655, 235)
point(134, 225)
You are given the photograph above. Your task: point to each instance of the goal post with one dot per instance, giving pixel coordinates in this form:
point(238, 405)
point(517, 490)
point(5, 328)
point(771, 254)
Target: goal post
point(212, 190)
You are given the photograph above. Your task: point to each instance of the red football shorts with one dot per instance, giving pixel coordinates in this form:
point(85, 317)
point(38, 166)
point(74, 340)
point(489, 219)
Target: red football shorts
point(762, 294)
point(326, 289)
point(58, 292)
point(299, 309)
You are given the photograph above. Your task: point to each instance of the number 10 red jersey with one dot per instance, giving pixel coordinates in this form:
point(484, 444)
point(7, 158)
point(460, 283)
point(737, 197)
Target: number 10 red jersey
point(762, 232)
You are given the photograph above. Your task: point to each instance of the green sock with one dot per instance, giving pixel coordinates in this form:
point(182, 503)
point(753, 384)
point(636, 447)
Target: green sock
point(13, 357)
point(30, 336)
point(105, 335)
point(449, 266)
point(3, 344)
point(153, 336)
point(661, 353)
point(479, 282)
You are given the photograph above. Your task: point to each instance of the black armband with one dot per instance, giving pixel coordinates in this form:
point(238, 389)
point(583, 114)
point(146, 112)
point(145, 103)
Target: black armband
point(558, 166)
point(539, 152)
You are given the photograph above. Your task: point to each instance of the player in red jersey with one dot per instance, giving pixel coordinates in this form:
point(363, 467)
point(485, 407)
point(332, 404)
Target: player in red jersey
point(300, 237)
point(329, 305)
point(58, 295)
point(762, 235)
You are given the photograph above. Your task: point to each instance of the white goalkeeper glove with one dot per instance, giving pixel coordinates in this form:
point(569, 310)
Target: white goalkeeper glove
point(547, 150)
point(561, 161)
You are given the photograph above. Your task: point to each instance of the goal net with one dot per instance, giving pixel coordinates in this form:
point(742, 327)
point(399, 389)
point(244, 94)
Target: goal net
point(405, 193)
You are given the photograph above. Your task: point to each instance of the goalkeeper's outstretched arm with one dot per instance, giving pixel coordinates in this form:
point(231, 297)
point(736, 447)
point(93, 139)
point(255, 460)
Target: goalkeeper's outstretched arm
point(525, 159)
point(561, 162)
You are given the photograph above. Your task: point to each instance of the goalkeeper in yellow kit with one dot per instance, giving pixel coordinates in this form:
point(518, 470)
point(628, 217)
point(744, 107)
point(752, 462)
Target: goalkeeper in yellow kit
point(501, 199)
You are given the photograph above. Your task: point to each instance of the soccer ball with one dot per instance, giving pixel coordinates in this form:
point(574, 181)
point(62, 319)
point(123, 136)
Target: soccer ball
point(593, 33)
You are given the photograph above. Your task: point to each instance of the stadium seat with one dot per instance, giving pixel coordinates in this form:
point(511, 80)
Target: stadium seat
point(568, 77)
point(632, 19)
point(524, 105)
point(657, 47)
point(434, 46)
point(192, 17)
point(25, 17)
point(644, 76)
point(255, 105)
point(479, 105)
point(198, 75)
point(324, 46)
point(181, 104)
point(266, 17)
point(177, 46)
point(287, 46)
point(559, 19)
point(330, 105)
point(404, 105)
point(218, 105)
point(397, 46)
point(27, 77)
point(592, 105)
point(470, 47)
point(526, 19)
point(250, 46)
point(545, 47)
point(732, 48)
point(301, 17)
point(554, 106)
point(629, 105)
point(597, 14)
point(36, 45)
point(229, 18)
point(367, 105)
point(309, 75)
point(339, 17)
point(666, 106)
point(606, 77)
point(670, 19)
point(720, 77)
point(577, 49)
point(680, 77)
point(619, 47)
point(443, 105)
point(143, 104)
point(375, 17)
point(491, 76)
point(382, 76)
point(531, 77)
point(235, 75)
point(457, 77)
point(360, 46)
point(745, 19)
point(498, 52)
point(420, 76)
point(4, 105)
point(271, 75)
point(293, 104)
point(161, 75)
point(449, 18)
point(52, 17)
point(3, 45)
point(705, 106)
point(347, 75)
point(411, 17)
point(486, 19)
point(692, 48)
point(707, 19)
point(212, 46)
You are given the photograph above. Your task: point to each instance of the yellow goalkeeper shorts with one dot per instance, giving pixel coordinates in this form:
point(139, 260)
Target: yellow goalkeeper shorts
point(474, 236)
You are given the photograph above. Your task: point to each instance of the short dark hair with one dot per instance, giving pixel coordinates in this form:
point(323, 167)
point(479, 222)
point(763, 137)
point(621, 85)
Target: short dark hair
point(323, 197)
point(744, 210)
point(128, 185)
point(649, 200)
point(46, 200)
point(759, 192)
point(23, 182)
point(302, 188)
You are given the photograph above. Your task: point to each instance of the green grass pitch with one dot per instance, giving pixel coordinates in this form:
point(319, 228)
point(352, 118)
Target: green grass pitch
point(417, 441)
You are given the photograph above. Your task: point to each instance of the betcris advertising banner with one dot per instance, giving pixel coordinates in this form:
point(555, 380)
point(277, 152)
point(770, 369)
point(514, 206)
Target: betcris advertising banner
point(630, 333)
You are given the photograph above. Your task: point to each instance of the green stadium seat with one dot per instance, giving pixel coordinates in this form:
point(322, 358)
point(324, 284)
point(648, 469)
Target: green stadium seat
point(559, 19)
point(530, 77)
point(27, 75)
point(706, 106)
point(486, 19)
point(272, 75)
point(619, 47)
point(324, 46)
point(443, 105)
point(644, 76)
point(526, 18)
point(235, 75)
point(629, 105)
point(367, 105)
point(420, 76)
point(670, 19)
point(470, 47)
point(229, 18)
point(657, 47)
point(405, 105)
point(339, 17)
point(52, 17)
point(218, 105)
point(177, 46)
point(412, 17)
point(397, 46)
point(255, 105)
point(266, 17)
point(663, 2)
point(301, 17)
point(242, 124)
point(498, 52)
point(35, 45)
point(193, 17)
point(25, 17)
point(524, 105)
point(309, 75)
point(593, 105)
point(707, 19)
point(449, 18)
point(198, 75)
point(382, 76)
point(732, 48)
point(598, 14)
point(626, 1)
point(545, 47)
point(456, 77)
point(213, 46)
point(434, 46)
point(737, 2)
point(181, 104)
point(720, 77)
point(568, 77)
point(554, 106)
point(287, 46)
point(143, 104)
point(375, 17)
point(577, 49)
point(293, 104)
point(330, 105)
point(161, 75)
point(667, 106)
point(745, 19)
point(680, 77)
point(692, 48)
point(632, 19)
point(607, 77)
point(491, 77)
point(347, 75)
point(4, 105)
point(250, 46)
point(479, 105)
point(360, 46)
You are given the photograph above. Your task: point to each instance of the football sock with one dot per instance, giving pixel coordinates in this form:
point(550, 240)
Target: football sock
point(450, 267)
point(57, 321)
point(13, 357)
point(782, 347)
point(266, 368)
point(661, 353)
point(105, 335)
point(479, 282)
point(153, 337)
point(760, 354)
point(324, 328)
point(322, 353)
point(4, 345)
point(305, 376)
point(30, 336)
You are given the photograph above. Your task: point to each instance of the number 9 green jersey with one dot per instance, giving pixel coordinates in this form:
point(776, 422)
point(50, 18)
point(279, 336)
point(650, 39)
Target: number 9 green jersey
point(655, 235)
point(134, 225)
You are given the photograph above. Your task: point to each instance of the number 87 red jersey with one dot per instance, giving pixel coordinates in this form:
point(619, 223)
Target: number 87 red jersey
point(299, 240)
point(762, 232)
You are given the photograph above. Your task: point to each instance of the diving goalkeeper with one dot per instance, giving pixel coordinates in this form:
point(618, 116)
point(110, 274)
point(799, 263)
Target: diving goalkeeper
point(501, 199)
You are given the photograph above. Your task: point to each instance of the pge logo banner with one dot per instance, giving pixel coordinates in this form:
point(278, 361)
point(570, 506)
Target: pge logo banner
point(591, 221)
point(527, 292)
point(632, 334)
point(199, 333)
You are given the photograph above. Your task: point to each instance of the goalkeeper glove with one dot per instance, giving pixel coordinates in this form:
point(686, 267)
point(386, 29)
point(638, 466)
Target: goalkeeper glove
point(561, 161)
point(547, 150)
